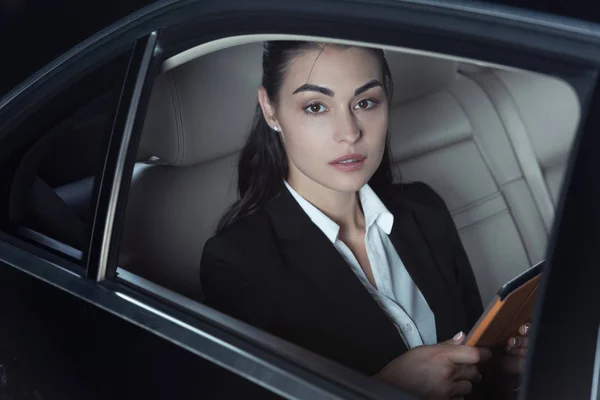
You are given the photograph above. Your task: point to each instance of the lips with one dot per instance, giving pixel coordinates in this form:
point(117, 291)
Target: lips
point(349, 162)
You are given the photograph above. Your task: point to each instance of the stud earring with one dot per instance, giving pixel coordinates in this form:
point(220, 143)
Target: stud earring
point(276, 129)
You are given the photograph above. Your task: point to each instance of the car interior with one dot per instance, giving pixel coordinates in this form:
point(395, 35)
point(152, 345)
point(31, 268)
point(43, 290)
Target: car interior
point(58, 156)
point(52, 189)
point(492, 141)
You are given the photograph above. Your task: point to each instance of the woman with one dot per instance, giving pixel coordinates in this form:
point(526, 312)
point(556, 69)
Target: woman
point(321, 248)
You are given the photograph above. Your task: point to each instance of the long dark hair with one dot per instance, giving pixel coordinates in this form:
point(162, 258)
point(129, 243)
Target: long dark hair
point(263, 164)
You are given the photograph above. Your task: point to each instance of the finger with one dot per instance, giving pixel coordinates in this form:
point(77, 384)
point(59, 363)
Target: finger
point(524, 329)
point(461, 389)
point(458, 339)
point(513, 341)
point(467, 372)
point(469, 355)
point(484, 354)
point(518, 342)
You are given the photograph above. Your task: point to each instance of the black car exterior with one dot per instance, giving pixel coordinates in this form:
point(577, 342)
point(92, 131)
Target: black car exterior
point(73, 326)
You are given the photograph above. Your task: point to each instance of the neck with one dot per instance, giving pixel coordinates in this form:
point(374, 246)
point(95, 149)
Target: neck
point(341, 207)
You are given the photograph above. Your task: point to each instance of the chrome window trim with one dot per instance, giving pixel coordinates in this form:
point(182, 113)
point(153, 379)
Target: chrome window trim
point(595, 395)
point(50, 242)
point(213, 46)
point(123, 149)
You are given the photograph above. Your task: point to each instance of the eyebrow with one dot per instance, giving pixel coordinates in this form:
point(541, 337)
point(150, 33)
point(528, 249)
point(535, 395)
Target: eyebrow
point(308, 87)
point(367, 86)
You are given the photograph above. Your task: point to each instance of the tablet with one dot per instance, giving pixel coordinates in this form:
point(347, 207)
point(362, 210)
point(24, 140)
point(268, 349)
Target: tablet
point(512, 307)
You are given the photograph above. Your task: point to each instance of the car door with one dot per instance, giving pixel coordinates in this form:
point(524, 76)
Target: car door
point(67, 151)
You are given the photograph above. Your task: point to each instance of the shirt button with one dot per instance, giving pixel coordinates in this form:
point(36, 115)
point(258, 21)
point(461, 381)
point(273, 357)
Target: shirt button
point(409, 327)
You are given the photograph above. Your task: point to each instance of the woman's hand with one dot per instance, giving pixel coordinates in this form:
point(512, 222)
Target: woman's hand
point(513, 362)
point(437, 372)
point(516, 351)
point(504, 377)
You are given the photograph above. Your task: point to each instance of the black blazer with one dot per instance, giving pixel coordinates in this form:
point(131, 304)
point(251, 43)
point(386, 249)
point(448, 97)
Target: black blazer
point(277, 271)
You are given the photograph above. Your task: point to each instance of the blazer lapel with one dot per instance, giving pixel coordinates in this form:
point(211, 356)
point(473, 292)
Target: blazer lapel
point(306, 249)
point(421, 263)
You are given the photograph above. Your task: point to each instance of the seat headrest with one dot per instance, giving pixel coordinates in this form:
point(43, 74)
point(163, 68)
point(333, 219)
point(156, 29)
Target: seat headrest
point(418, 75)
point(202, 110)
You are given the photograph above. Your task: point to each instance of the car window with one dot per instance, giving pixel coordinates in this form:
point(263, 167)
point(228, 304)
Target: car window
point(477, 137)
point(504, 154)
point(57, 152)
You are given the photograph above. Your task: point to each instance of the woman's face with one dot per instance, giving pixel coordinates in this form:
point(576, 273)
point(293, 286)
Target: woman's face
point(332, 113)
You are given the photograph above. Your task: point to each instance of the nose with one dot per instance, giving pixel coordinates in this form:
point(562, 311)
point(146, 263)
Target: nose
point(347, 128)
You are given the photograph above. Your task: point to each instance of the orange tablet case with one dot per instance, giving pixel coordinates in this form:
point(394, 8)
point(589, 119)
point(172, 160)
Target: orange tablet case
point(512, 307)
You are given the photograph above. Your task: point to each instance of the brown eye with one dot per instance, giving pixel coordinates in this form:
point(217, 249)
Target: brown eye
point(365, 104)
point(316, 108)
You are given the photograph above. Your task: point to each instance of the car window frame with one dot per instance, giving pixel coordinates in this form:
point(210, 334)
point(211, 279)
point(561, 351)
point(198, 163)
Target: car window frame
point(579, 41)
point(564, 40)
point(128, 118)
point(30, 135)
point(57, 79)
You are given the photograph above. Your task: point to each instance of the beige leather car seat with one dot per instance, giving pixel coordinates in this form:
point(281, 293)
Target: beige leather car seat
point(447, 129)
point(470, 146)
point(198, 117)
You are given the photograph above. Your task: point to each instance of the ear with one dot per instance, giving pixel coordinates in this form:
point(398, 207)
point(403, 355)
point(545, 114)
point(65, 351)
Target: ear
point(267, 109)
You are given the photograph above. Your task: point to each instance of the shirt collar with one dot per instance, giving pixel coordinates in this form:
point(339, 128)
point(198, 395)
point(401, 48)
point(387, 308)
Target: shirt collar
point(373, 208)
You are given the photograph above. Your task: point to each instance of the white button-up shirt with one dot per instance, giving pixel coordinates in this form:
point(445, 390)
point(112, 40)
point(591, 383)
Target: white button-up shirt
point(395, 291)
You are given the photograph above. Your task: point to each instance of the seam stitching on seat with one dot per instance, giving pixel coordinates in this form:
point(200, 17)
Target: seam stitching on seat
point(474, 136)
point(528, 251)
point(529, 174)
point(476, 203)
point(178, 121)
point(429, 152)
point(486, 219)
point(512, 181)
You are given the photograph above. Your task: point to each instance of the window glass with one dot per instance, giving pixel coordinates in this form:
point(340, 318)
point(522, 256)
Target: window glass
point(476, 154)
point(56, 155)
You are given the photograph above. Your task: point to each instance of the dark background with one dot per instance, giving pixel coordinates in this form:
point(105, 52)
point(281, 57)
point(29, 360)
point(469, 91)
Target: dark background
point(34, 32)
